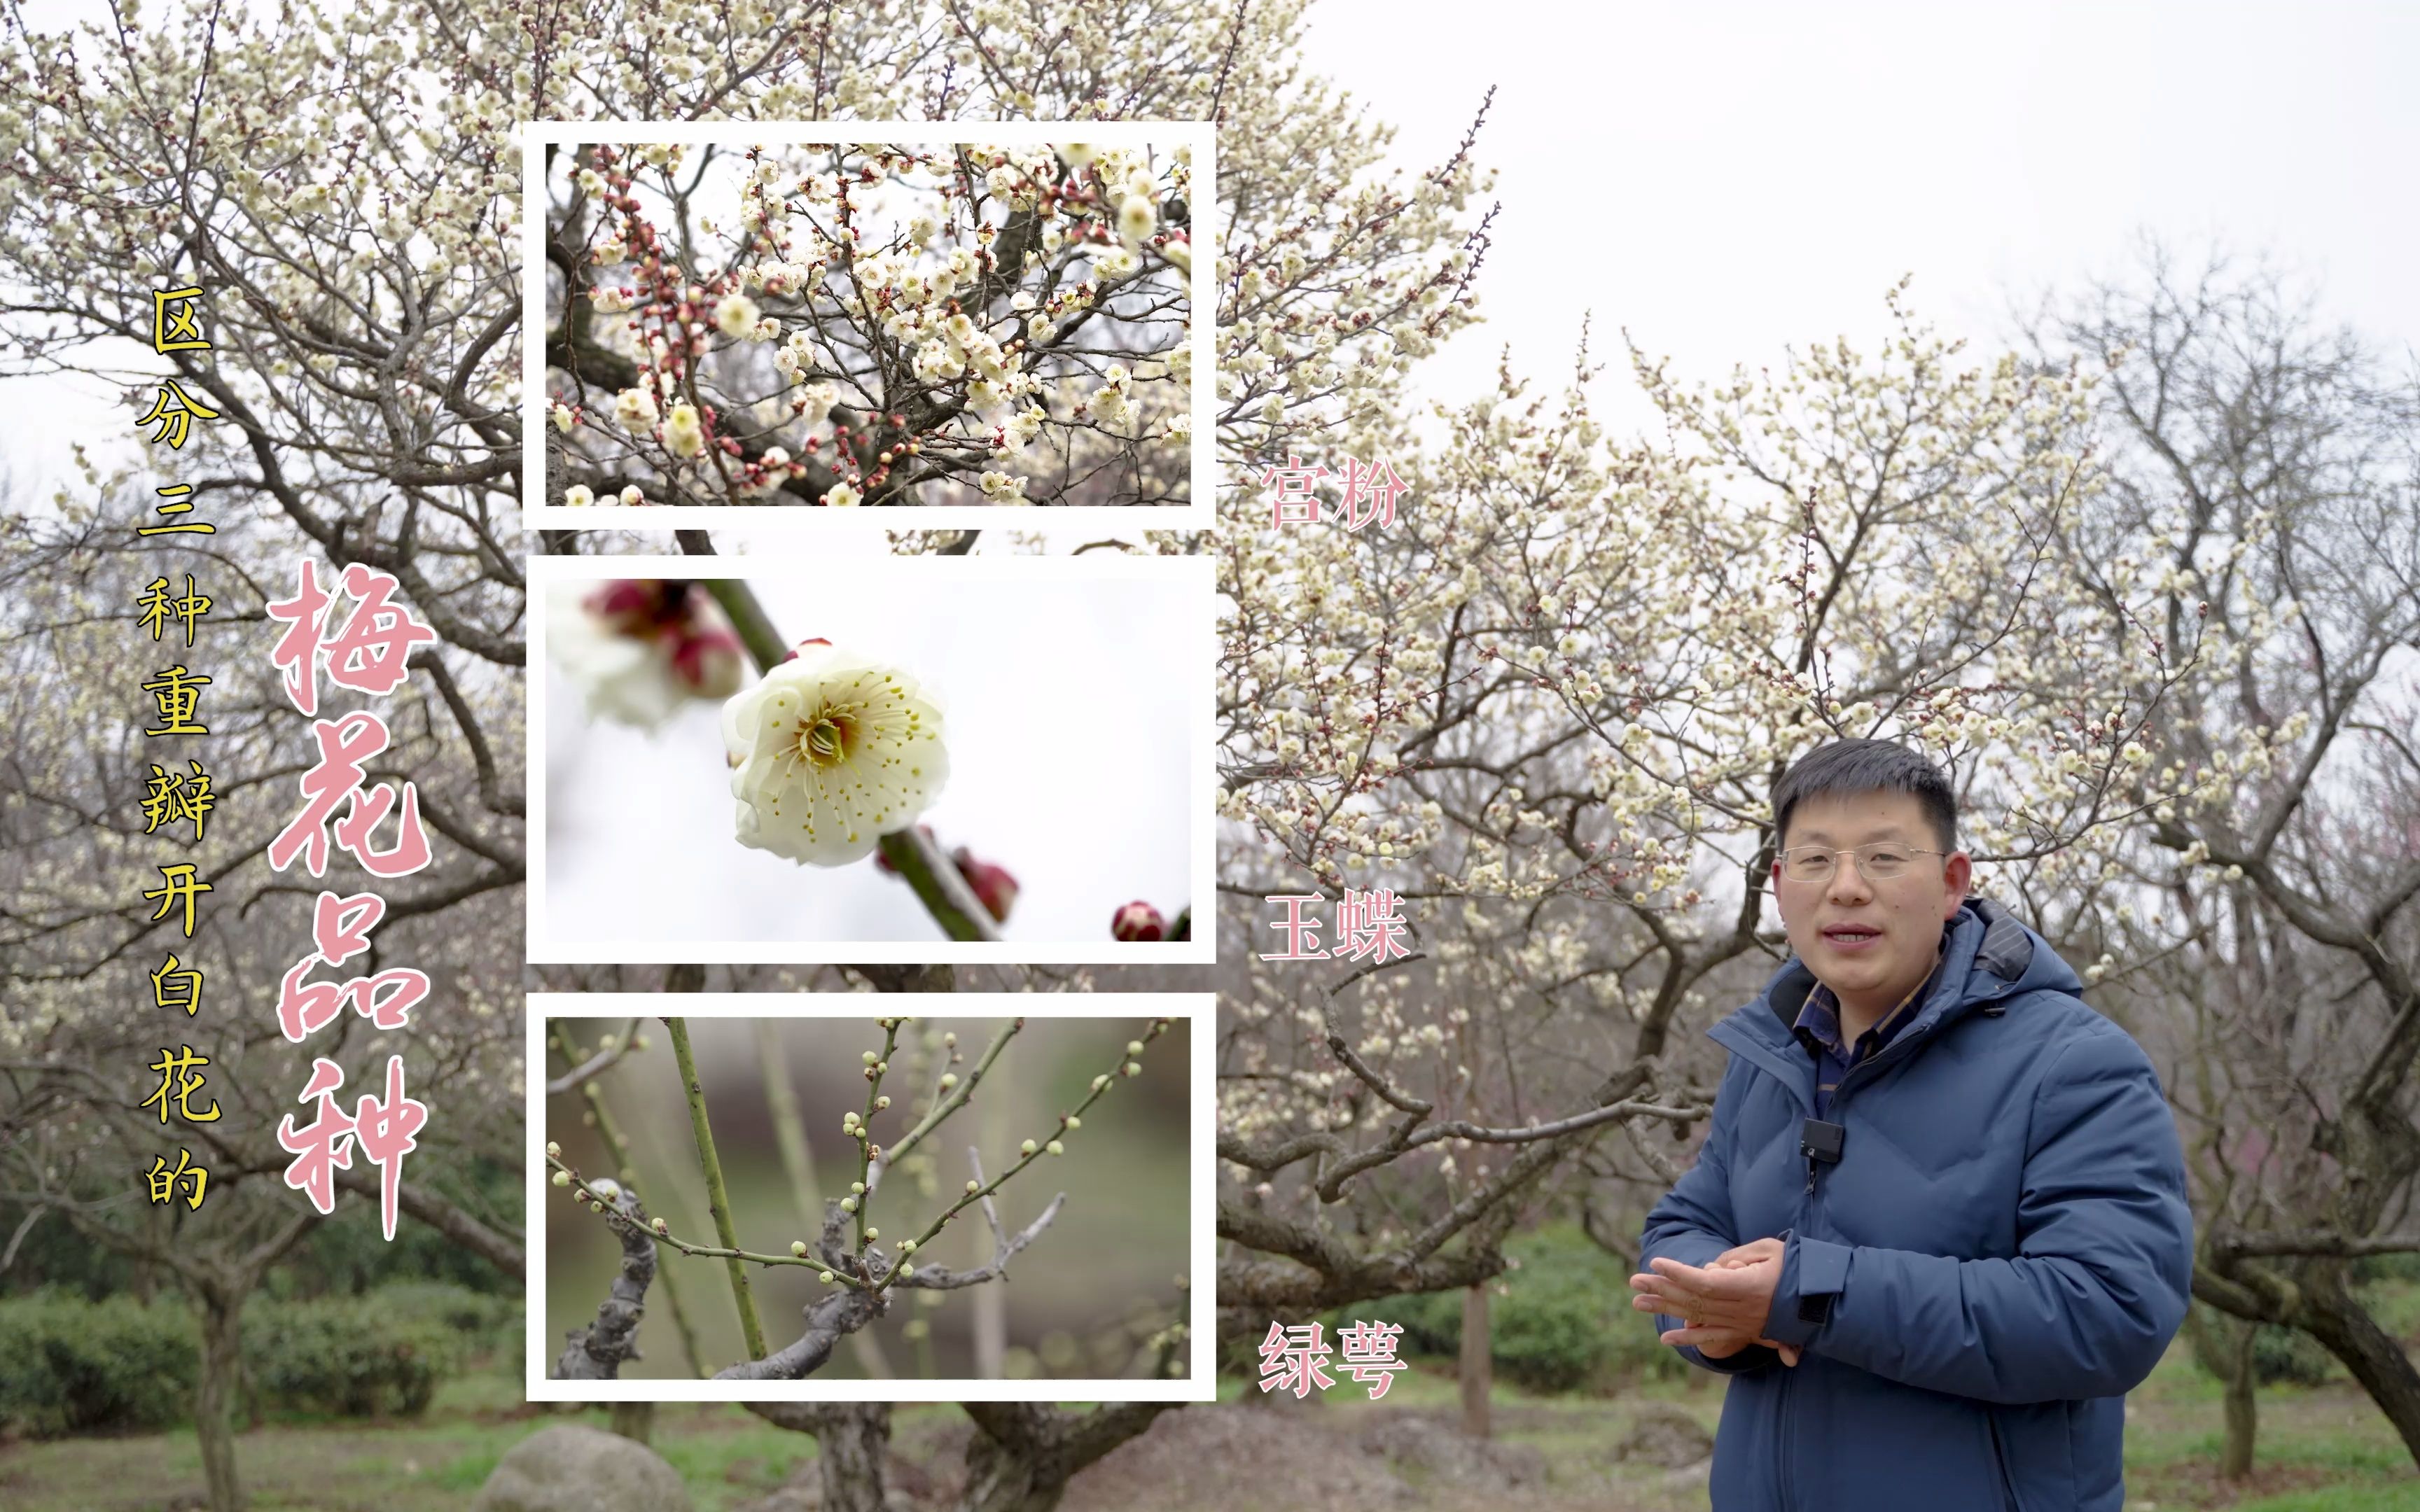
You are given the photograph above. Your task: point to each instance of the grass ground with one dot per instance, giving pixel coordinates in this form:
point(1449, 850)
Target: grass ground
point(2321, 1449)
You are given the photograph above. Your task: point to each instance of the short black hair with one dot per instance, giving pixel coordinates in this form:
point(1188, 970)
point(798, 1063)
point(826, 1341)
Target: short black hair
point(1851, 769)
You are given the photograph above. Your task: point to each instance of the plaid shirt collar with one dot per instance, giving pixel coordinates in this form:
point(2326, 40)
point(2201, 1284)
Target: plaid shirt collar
point(1818, 1026)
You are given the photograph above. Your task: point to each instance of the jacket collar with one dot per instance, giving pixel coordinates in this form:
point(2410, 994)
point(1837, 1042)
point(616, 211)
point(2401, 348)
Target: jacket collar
point(1988, 953)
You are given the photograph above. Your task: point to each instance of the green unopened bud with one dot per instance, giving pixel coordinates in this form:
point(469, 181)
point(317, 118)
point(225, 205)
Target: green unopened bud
point(873, 1234)
point(662, 1228)
point(1056, 1148)
point(881, 1103)
point(951, 1037)
point(553, 1151)
point(848, 1204)
point(1026, 1148)
point(1099, 1082)
point(882, 1066)
point(857, 1188)
point(563, 1178)
point(799, 1248)
point(640, 1043)
point(949, 1080)
point(1075, 1123)
point(1132, 1068)
point(607, 1042)
point(596, 1207)
point(907, 1246)
point(870, 1057)
point(906, 1269)
point(1133, 1047)
point(973, 1187)
point(826, 1277)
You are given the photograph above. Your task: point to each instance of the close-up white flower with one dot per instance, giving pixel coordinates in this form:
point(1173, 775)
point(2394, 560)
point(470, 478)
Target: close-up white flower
point(832, 750)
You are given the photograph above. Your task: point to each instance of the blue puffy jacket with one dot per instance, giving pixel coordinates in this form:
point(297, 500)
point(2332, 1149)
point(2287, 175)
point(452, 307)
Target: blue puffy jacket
point(2002, 1251)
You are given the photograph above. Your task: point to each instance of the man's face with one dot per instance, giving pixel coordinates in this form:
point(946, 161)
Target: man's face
point(1906, 913)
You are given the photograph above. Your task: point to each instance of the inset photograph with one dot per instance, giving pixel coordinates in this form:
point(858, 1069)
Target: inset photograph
point(869, 1204)
point(797, 759)
point(760, 319)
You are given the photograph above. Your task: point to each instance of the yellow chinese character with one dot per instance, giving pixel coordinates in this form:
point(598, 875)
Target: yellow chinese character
point(169, 980)
point(175, 797)
point(165, 1182)
point(178, 694)
point(182, 885)
point(176, 491)
point(174, 423)
point(160, 604)
point(178, 1078)
point(177, 330)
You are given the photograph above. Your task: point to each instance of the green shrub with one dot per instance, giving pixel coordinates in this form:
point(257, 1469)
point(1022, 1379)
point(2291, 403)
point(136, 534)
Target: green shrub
point(352, 1356)
point(1562, 1322)
point(68, 1366)
point(79, 1367)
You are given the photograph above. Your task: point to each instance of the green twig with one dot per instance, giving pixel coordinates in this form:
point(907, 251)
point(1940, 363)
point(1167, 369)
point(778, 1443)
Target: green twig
point(717, 1200)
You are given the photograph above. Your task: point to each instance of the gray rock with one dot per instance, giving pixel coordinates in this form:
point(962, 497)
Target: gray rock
point(1663, 1435)
point(570, 1467)
point(1436, 1445)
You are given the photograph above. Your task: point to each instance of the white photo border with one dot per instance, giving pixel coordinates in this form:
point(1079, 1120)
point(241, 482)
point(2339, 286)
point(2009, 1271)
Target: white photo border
point(1195, 576)
point(1197, 1010)
point(1200, 514)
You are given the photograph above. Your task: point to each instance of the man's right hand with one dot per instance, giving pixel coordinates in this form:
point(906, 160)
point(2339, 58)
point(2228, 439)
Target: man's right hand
point(1762, 1251)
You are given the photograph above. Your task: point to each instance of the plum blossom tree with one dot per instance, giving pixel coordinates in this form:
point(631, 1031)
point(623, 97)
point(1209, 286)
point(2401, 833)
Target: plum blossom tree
point(343, 184)
point(760, 323)
point(2262, 479)
point(1545, 711)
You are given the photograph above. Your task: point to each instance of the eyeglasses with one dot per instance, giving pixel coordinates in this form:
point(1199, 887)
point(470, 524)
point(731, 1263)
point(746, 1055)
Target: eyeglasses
point(1882, 860)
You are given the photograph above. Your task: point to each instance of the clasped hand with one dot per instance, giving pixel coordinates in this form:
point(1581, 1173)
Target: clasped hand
point(1728, 1299)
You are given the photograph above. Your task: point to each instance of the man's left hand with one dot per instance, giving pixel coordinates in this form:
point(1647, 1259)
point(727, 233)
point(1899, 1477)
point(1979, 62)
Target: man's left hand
point(1728, 1299)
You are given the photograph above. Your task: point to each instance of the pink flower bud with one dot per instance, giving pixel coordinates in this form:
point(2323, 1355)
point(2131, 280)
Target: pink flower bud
point(632, 606)
point(710, 662)
point(992, 884)
point(1138, 921)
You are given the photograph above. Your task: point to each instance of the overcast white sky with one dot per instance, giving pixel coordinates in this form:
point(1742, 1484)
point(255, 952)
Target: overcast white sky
point(1726, 178)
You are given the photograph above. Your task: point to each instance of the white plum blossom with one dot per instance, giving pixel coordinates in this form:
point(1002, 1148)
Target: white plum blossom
point(1005, 488)
point(579, 495)
point(624, 678)
point(1137, 219)
point(682, 433)
point(841, 496)
point(737, 316)
point(633, 496)
point(832, 750)
point(635, 408)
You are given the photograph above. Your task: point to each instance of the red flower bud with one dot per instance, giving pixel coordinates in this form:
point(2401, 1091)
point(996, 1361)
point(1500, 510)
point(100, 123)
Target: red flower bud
point(710, 662)
point(992, 884)
point(792, 654)
point(1137, 920)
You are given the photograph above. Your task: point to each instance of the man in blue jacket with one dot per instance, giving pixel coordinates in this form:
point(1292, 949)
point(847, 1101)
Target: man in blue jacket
point(1938, 1228)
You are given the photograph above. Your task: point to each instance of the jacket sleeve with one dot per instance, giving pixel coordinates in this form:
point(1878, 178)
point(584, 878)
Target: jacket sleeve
point(1693, 1224)
point(2100, 1284)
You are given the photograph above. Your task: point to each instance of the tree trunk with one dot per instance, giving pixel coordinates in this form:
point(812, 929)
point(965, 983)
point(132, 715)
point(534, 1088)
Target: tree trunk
point(2375, 1358)
point(214, 1402)
point(854, 1439)
point(2243, 1406)
point(1477, 1362)
point(1023, 1454)
point(634, 1421)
